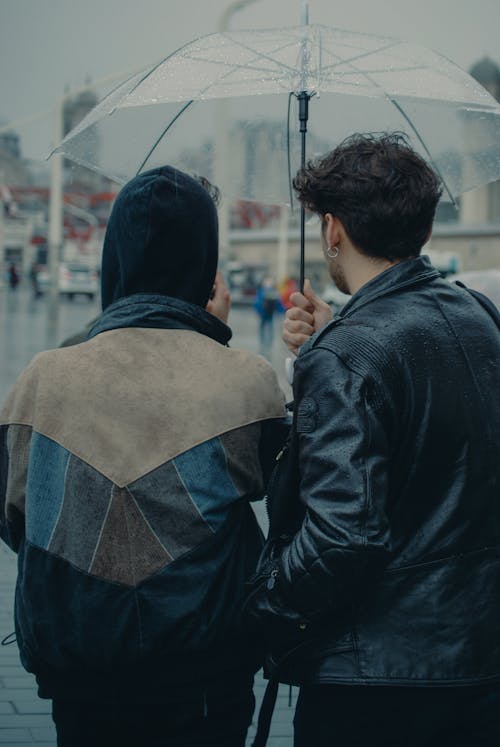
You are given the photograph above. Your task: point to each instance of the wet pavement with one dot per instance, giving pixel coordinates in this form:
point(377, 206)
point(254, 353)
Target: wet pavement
point(25, 330)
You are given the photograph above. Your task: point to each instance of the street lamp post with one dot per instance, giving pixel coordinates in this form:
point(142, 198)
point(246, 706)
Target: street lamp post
point(56, 204)
point(55, 216)
point(222, 140)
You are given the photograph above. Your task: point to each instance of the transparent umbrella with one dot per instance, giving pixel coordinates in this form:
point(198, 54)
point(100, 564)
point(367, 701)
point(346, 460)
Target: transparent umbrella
point(353, 82)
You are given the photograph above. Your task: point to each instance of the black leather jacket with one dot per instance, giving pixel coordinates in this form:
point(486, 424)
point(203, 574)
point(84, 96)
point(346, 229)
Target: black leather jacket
point(394, 574)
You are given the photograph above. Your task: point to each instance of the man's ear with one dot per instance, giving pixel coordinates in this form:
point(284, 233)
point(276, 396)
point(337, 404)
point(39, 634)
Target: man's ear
point(333, 229)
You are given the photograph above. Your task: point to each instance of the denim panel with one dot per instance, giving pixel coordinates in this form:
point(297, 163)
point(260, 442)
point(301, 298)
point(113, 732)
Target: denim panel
point(170, 510)
point(87, 496)
point(204, 472)
point(45, 488)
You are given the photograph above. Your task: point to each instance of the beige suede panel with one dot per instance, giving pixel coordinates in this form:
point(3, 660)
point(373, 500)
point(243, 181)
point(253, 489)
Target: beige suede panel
point(19, 407)
point(18, 444)
point(131, 399)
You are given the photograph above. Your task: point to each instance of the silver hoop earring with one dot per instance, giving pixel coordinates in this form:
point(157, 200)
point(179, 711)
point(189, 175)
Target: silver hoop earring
point(332, 253)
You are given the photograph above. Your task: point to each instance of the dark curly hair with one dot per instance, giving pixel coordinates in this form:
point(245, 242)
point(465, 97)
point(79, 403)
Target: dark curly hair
point(383, 192)
point(212, 189)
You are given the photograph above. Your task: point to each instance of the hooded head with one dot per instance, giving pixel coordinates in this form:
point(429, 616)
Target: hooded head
point(162, 238)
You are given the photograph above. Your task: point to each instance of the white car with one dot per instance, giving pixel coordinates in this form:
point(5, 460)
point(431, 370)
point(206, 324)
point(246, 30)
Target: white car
point(76, 279)
point(73, 278)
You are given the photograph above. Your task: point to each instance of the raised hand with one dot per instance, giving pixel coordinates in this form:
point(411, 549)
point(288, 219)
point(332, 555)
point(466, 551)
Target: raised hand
point(308, 314)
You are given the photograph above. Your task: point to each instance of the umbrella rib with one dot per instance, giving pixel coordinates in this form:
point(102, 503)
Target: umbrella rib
point(357, 57)
point(245, 66)
point(424, 146)
point(410, 123)
point(266, 56)
point(233, 67)
point(164, 59)
point(152, 69)
point(157, 142)
point(344, 73)
point(181, 111)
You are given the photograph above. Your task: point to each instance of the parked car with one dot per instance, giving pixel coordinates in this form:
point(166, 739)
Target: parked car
point(243, 280)
point(77, 279)
point(74, 279)
point(485, 281)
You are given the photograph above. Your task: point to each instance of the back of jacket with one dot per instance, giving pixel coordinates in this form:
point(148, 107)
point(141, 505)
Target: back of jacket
point(127, 467)
point(397, 562)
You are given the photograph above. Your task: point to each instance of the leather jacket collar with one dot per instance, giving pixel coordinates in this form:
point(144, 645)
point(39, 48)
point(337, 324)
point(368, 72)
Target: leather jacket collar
point(407, 273)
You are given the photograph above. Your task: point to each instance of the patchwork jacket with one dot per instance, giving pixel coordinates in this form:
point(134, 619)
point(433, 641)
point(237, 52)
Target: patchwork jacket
point(127, 466)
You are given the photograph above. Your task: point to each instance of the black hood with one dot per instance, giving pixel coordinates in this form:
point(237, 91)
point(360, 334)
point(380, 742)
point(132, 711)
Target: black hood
point(162, 238)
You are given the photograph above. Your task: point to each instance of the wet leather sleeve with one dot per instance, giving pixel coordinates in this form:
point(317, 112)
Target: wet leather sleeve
point(343, 453)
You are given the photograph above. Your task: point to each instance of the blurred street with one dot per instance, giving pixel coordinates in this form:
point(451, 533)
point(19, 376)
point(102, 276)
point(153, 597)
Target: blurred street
point(25, 330)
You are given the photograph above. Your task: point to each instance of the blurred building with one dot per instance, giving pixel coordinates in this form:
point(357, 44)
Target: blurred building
point(482, 205)
point(12, 168)
point(487, 72)
point(25, 195)
point(252, 148)
point(10, 144)
point(75, 109)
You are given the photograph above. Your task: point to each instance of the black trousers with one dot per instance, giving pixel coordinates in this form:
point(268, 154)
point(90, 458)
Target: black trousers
point(212, 715)
point(355, 716)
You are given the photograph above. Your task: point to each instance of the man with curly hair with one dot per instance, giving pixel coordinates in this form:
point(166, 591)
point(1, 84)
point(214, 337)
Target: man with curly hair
point(384, 596)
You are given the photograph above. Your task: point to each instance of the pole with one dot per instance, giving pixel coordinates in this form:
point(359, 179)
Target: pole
point(304, 12)
point(55, 216)
point(222, 143)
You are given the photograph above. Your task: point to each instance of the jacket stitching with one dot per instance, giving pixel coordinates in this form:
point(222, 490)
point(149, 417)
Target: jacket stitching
point(192, 499)
point(101, 531)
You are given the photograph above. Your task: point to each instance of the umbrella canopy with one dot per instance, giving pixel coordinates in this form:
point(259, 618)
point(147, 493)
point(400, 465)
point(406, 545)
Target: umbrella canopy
point(242, 80)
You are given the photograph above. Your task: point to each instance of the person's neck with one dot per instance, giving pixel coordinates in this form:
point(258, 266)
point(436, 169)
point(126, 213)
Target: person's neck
point(361, 271)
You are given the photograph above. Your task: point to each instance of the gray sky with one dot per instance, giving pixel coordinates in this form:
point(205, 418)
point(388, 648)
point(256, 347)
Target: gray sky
point(46, 45)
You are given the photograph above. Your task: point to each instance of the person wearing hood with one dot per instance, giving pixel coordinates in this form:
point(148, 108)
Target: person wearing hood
point(127, 464)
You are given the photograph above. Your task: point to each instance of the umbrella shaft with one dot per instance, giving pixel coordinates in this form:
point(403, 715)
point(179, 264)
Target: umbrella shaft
point(302, 212)
point(302, 247)
point(303, 99)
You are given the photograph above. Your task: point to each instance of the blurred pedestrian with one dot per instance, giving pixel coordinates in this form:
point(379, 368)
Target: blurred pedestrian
point(13, 276)
point(35, 286)
point(287, 287)
point(128, 462)
point(382, 598)
point(267, 303)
